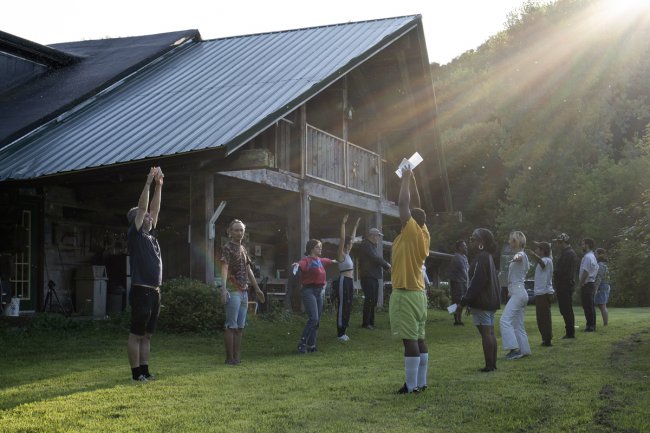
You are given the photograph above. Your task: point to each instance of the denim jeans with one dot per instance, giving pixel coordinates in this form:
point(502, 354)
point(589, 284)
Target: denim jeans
point(312, 299)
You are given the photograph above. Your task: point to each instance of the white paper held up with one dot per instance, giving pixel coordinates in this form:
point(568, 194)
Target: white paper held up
point(412, 162)
point(452, 308)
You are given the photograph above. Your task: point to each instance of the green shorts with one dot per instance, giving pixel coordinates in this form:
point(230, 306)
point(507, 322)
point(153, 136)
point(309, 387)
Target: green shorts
point(408, 313)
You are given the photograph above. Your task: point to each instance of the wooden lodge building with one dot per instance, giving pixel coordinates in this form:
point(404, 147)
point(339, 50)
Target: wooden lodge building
point(287, 131)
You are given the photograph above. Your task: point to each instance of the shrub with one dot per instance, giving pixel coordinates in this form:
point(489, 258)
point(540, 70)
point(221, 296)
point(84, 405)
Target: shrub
point(439, 297)
point(190, 306)
point(629, 273)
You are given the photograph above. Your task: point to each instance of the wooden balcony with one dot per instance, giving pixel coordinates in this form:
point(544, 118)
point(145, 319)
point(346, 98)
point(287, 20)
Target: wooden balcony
point(332, 159)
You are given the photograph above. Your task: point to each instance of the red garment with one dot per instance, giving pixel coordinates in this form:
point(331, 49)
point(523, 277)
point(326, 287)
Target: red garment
point(312, 270)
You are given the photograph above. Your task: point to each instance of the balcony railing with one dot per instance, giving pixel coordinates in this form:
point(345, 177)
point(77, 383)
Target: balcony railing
point(334, 160)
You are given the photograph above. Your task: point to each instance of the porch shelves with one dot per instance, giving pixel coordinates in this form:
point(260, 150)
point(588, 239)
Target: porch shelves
point(334, 160)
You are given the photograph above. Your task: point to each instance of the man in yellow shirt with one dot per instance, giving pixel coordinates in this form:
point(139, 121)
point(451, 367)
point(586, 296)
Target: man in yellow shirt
point(408, 301)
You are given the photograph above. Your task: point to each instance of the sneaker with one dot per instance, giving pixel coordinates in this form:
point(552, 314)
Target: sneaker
point(568, 336)
point(302, 348)
point(459, 324)
point(312, 349)
point(141, 378)
point(344, 338)
point(547, 344)
point(422, 388)
point(149, 376)
point(486, 369)
point(369, 327)
point(405, 390)
point(514, 354)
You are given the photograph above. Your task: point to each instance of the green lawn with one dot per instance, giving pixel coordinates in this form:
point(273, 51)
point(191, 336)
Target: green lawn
point(79, 381)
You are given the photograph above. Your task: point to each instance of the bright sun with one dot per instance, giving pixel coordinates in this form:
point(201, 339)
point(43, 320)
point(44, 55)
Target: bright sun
point(626, 6)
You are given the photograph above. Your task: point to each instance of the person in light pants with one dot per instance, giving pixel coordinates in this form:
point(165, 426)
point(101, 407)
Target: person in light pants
point(513, 332)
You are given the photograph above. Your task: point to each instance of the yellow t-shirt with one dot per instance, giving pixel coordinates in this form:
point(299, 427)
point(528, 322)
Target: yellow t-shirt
point(410, 248)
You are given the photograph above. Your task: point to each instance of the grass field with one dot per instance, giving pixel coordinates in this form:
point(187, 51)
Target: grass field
point(79, 381)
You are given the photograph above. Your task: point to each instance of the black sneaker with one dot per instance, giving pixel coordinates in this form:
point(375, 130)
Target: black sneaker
point(568, 336)
point(312, 349)
point(547, 344)
point(141, 378)
point(405, 390)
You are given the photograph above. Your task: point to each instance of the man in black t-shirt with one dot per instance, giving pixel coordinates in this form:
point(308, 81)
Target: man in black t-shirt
point(146, 275)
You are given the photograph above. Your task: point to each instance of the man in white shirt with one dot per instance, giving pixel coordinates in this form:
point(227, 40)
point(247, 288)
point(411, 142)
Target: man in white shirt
point(588, 272)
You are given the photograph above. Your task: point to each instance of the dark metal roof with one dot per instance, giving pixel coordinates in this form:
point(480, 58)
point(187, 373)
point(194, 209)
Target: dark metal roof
point(202, 95)
point(51, 91)
point(34, 52)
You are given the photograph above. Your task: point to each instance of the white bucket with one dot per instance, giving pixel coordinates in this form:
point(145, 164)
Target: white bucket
point(13, 308)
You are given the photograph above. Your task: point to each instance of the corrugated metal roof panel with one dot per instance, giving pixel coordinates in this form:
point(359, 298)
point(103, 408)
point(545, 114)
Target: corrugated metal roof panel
point(203, 95)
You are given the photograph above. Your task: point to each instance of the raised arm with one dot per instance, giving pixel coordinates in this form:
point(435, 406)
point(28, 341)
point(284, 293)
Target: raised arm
point(154, 207)
point(143, 202)
point(354, 229)
point(404, 201)
point(342, 239)
point(415, 195)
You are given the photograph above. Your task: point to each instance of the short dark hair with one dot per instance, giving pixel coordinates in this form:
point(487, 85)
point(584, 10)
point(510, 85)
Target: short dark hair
point(589, 242)
point(459, 243)
point(601, 254)
point(311, 243)
point(419, 216)
point(545, 248)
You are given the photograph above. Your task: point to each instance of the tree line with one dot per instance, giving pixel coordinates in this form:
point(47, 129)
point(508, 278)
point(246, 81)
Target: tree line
point(546, 129)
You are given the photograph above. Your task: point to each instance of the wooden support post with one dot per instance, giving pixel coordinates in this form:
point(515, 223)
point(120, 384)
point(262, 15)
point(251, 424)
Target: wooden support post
point(380, 250)
point(201, 209)
point(298, 235)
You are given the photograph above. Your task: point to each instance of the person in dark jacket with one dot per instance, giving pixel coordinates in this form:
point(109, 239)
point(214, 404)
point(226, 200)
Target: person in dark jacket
point(458, 279)
point(371, 266)
point(483, 294)
point(564, 274)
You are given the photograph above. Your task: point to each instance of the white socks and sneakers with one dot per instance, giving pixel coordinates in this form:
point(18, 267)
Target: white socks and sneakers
point(415, 369)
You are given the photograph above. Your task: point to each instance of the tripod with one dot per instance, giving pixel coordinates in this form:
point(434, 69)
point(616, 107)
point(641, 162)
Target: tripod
point(51, 295)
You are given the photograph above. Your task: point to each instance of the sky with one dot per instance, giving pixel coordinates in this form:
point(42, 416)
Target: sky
point(451, 27)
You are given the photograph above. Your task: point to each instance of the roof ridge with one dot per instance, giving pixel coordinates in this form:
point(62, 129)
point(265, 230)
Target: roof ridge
point(311, 28)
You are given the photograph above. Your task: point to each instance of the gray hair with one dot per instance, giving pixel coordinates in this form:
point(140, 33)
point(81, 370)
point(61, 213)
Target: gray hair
point(131, 214)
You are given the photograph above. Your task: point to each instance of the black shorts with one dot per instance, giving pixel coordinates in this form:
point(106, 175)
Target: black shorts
point(145, 308)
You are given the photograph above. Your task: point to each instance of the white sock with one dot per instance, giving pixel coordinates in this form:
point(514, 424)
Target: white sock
point(422, 370)
point(411, 364)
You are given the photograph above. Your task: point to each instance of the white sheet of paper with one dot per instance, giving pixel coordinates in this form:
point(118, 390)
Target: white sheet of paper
point(412, 162)
point(452, 308)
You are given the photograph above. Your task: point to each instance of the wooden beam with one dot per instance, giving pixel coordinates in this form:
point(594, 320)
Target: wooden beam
point(263, 176)
point(350, 199)
point(201, 209)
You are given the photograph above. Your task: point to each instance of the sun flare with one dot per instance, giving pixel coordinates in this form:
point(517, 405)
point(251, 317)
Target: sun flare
point(618, 7)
